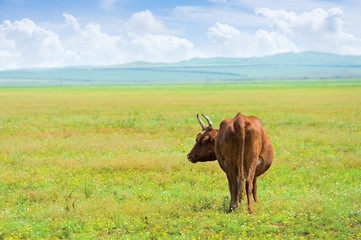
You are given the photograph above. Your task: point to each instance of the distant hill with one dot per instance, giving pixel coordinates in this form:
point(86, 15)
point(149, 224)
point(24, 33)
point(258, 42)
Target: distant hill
point(306, 65)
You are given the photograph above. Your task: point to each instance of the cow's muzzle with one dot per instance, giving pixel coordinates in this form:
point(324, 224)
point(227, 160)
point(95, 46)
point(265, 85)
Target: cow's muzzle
point(191, 158)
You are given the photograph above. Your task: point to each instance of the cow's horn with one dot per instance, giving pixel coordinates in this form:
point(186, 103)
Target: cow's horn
point(210, 124)
point(200, 122)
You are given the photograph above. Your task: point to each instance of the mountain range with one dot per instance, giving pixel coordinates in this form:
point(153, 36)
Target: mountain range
point(286, 66)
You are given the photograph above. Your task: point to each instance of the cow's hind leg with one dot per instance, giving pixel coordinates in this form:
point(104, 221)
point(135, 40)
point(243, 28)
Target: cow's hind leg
point(240, 182)
point(249, 189)
point(254, 191)
point(233, 189)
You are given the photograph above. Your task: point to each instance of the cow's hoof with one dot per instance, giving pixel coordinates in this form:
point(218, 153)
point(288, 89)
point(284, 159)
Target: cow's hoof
point(232, 207)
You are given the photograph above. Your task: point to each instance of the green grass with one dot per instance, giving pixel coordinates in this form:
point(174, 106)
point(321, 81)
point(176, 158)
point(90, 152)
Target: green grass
point(110, 162)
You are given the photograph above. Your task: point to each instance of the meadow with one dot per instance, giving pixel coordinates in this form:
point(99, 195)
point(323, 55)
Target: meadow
point(96, 162)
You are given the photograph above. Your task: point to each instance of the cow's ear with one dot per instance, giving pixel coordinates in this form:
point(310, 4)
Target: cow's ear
point(205, 139)
point(197, 138)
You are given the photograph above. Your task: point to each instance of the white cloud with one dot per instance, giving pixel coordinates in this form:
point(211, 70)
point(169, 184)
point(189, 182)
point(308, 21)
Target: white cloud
point(161, 48)
point(144, 23)
point(317, 30)
point(94, 47)
point(149, 40)
point(223, 34)
point(9, 60)
point(72, 21)
point(25, 44)
point(144, 38)
point(233, 43)
point(318, 21)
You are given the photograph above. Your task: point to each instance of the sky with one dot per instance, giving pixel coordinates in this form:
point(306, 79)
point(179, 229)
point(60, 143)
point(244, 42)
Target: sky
point(59, 33)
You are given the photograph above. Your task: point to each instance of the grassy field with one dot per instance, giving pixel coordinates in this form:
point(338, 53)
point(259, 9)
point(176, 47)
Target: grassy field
point(110, 162)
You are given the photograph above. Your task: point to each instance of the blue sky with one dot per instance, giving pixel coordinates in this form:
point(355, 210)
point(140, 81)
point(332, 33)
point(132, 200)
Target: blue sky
point(56, 33)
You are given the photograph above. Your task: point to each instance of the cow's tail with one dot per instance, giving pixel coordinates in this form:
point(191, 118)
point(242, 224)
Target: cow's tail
point(240, 130)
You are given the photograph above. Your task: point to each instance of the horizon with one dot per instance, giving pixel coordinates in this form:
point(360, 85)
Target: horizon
point(121, 65)
point(285, 66)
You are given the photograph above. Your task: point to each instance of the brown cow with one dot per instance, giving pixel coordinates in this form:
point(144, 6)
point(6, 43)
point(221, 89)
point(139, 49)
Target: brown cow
point(243, 150)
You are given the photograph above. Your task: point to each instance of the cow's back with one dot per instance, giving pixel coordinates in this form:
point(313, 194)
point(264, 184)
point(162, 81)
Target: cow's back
point(256, 142)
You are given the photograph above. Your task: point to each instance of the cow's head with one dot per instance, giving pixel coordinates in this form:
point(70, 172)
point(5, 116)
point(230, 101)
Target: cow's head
point(204, 149)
